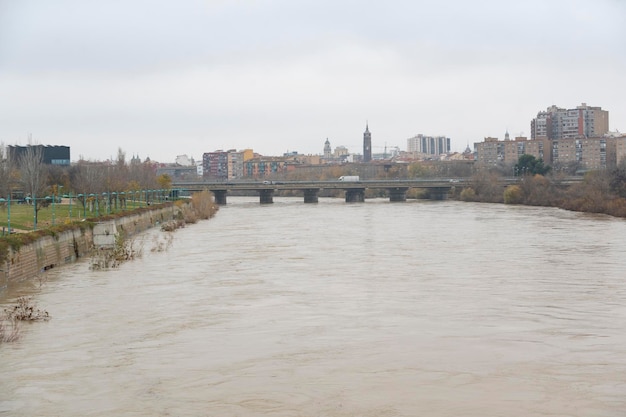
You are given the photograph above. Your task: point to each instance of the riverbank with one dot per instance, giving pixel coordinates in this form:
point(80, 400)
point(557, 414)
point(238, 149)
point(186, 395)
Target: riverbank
point(25, 256)
point(598, 192)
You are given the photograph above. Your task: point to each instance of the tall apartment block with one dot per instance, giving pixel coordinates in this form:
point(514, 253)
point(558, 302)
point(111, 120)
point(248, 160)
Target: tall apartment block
point(428, 145)
point(556, 123)
point(568, 138)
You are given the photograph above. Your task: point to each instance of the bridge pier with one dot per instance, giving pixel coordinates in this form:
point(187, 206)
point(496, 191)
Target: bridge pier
point(310, 195)
point(355, 195)
point(266, 196)
point(438, 193)
point(397, 193)
point(220, 196)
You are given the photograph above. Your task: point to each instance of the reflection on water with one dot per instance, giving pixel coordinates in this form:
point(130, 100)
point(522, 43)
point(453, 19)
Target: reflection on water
point(334, 309)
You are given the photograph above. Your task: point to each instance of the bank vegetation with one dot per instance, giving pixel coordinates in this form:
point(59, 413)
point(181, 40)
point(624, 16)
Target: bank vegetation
point(602, 191)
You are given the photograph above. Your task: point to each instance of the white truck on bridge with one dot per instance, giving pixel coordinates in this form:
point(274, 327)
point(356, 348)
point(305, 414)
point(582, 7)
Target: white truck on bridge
point(349, 178)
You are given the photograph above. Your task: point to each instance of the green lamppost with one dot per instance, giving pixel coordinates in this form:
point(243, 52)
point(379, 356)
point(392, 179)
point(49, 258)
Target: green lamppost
point(106, 203)
point(2, 200)
point(95, 197)
point(9, 213)
point(83, 196)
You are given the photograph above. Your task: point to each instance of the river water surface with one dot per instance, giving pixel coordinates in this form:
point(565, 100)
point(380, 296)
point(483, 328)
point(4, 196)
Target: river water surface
point(333, 309)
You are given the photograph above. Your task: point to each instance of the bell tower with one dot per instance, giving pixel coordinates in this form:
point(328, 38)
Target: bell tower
point(367, 144)
point(327, 150)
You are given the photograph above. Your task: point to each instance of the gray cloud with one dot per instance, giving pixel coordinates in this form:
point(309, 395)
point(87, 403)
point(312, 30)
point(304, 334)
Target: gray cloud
point(194, 76)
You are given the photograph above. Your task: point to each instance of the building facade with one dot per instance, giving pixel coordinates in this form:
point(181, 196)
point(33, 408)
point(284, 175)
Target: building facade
point(557, 123)
point(428, 145)
point(51, 155)
point(225, 165)
point(575, 153)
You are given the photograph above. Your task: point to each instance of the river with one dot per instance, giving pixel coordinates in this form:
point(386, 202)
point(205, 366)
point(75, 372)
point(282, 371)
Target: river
point(333, 309)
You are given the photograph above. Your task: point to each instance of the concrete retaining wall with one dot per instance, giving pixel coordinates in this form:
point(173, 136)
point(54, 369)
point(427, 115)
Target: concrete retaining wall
point(52, 251)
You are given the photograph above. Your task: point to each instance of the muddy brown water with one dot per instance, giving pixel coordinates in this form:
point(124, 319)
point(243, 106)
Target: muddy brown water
point(334, 309)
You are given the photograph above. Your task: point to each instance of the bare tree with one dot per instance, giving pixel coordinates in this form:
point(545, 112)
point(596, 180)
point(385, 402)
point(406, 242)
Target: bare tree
point(33, 176)
point(88, 180)
point(7, 173)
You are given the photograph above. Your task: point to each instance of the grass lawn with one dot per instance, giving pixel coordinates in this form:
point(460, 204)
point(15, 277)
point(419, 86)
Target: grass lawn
point(22, 215)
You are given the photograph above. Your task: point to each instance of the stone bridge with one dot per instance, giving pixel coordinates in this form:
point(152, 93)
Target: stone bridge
point(354, 190)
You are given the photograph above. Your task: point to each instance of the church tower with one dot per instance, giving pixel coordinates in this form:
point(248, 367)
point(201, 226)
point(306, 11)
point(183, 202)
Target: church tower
point(327, 150)
point(367, 144)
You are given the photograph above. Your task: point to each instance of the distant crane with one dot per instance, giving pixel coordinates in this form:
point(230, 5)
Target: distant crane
point(395, 150)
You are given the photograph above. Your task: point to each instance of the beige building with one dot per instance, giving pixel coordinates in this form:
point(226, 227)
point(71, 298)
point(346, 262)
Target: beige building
point(489, 152)
point(584, 153)
point(557, 123)
point(615, 150)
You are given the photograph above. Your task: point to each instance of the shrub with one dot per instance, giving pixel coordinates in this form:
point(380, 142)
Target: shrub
point(513, 195)
point(26, 310)
point(468, 194)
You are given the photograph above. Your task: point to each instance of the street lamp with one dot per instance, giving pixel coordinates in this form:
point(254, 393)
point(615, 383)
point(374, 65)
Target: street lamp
point(9, 213)
point(2, 200)
point(54, 197)
point(96, 204)
point(107, 202)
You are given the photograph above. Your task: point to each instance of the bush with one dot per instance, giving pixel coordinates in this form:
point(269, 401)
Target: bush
point(513, 195)
point(26, 310)
point(468, 194)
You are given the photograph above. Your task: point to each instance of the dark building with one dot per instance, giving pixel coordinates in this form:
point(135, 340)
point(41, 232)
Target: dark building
point(52, 155)
point(367, 144)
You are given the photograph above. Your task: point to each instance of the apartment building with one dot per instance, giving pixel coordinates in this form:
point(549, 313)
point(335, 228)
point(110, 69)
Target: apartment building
point(557, 123)
point(428, 145)
point(615, 149)
point(584, 153)
point(225, 164)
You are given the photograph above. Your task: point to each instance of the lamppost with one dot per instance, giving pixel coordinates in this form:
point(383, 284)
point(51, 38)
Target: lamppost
point(96, 203)
point(107, 202)
point(9, 213)
point(2, 200)
point(92, 195)
point(54, 197)
point(84, 197)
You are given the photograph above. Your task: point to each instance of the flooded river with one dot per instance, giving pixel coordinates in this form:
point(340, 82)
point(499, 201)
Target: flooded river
point(333, 309)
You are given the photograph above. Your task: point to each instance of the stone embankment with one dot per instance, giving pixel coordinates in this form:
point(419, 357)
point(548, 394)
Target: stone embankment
point(66, 247)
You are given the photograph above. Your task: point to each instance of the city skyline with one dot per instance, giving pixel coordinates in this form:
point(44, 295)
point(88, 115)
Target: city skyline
point(159, 79)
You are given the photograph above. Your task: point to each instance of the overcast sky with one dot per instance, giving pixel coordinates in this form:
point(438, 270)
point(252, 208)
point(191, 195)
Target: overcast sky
point(165, 78)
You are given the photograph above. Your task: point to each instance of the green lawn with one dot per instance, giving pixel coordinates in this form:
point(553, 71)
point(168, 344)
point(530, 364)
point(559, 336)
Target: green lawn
point(22, 215)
